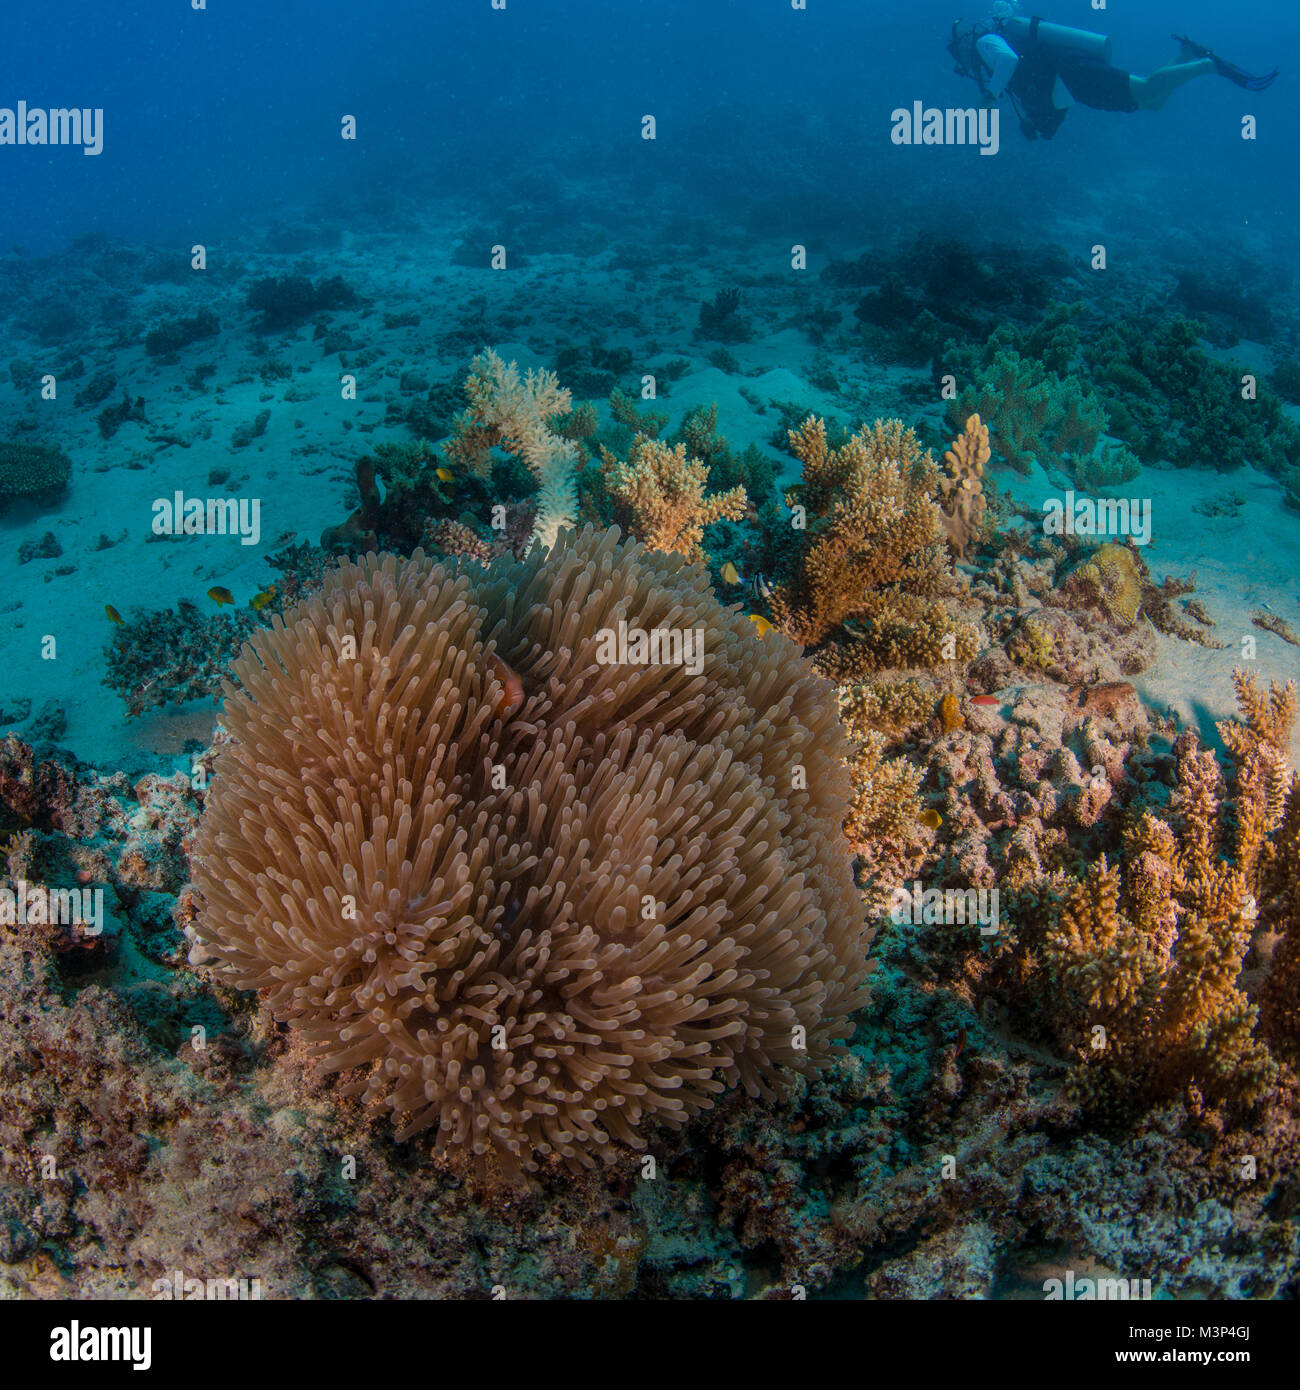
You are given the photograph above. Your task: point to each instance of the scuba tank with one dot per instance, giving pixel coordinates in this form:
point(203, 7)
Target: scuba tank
point(1058, 39)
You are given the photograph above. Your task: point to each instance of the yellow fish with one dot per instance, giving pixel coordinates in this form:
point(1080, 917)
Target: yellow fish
point(218, 595)
point(730, 574)
point(114, 614)
point(445, 474)
point(930, 817)
point(761, 623)
point(259, 601)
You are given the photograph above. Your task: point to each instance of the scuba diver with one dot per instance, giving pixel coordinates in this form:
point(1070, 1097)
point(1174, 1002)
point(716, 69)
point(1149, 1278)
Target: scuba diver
point(1046, 68)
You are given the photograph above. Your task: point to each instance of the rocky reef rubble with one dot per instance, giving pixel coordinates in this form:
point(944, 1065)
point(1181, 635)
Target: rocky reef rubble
point(152, 1122)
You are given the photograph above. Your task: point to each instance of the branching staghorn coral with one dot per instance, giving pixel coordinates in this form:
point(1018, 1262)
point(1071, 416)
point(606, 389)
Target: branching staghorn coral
point(874, 552)
point(538, 899)
point(1151, 958)
point(1260, 746)
point(663, 490)
point(1280, 993)
point(514, 413)
point(1140, 963)
point(883, 825)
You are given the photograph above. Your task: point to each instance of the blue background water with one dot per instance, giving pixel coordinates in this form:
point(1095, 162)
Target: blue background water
point(222, 127)
point(214, 116)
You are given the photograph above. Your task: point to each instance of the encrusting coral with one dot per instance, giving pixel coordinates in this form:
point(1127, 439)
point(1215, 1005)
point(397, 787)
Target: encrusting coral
point(543, 899)
point(515, 413)
point(663, 491)
point(873, 551)
point(1109, 579)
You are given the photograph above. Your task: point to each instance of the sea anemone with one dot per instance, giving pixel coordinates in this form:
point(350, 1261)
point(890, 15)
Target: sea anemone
point(539, 901)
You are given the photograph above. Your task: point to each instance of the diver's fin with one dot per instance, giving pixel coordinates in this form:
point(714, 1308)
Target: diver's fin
point(1243, 79)
point(1189, 49)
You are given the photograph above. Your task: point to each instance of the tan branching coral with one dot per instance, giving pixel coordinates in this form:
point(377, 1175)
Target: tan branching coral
point(891, 707)
point(663, 492)
point(1147, 962)
point(1280, 993)
point(1260, 745)
point(514, 413)
point(883, 825)
point(874, 551)
point(541, 900)
point(961, 487)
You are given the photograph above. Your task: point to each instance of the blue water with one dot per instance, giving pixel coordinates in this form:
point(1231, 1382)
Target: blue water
point(221, 115)
point(222, 128)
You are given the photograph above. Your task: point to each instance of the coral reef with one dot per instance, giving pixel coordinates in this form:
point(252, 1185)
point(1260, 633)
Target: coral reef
point(284, 301)
point(1032, 414)
point(170, 655)
point(541, 911)
point(663, 492)
point(872, 559)
point(722, 320)
point(1135, 970)
point(396, 515)
point(1108, 579)
point(514, 413)
point(113, 417)
point(961, 487)
point(33, 471)
point(168, 338)
point(1167, 399)
point(222, 1152)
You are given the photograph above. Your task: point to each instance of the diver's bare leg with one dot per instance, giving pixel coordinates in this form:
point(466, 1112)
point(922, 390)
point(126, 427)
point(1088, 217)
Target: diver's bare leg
point(1152, 92)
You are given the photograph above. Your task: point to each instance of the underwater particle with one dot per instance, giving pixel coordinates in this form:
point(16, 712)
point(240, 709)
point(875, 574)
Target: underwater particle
point(220, 595)
point(113, 615)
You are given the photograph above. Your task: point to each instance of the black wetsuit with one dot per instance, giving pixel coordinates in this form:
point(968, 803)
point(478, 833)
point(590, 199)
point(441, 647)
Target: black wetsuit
point(1091, 83)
